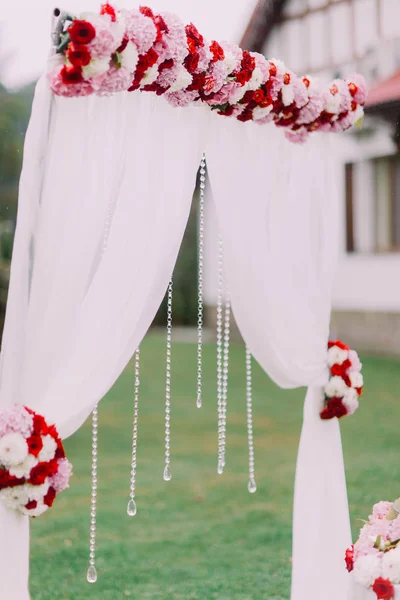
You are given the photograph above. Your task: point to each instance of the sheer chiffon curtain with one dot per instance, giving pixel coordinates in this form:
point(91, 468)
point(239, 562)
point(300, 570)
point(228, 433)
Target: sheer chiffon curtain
point(77, 312)
point(279, 235)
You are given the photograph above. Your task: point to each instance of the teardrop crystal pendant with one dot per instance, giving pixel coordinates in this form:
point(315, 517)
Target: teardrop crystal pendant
point(199, 401)
point(252, 486)
point(167, 474)
point(200, 302)
point(131, 509)
point(220, 468)
point(91, 574)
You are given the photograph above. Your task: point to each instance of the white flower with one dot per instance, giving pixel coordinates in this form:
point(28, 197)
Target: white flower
point(35, 512)
point(391, 565)
point(333, 104)
point(96, 67)
point(336, 387)
point(24, 468)
point(367, 569)
point(288, 94)
point(350, 401)
point(357, 380)
point(358, 113)
point(256, 79)
point(238, 94)
point(15, 497)
point(150, 76)
point(130, 57)
point(48, 451)
point(261, 113)
point(337, 356)
point(229, 61)
point(13, 449)
point(182, 81)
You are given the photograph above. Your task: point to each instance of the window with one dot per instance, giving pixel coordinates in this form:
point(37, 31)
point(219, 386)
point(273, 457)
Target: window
point(372, 190)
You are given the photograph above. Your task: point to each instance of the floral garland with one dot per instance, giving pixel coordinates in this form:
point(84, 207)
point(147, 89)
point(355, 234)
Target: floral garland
point(345, 384)
point(33, 466)
point(375, 558)
point(116, 50)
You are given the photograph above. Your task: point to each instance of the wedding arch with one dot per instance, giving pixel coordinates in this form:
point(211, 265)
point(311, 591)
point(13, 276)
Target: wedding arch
point(107, 180)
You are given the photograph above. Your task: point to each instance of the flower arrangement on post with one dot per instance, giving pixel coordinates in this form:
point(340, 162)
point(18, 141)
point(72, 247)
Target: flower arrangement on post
point(33, 466)
point(346, 382)
point(115, 50)
point(375, 558)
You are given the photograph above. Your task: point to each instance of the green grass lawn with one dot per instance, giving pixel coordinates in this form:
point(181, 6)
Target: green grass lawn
point(202, 536)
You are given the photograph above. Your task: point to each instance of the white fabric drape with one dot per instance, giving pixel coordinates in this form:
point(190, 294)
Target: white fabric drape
point(76, 313)
point(279, 233)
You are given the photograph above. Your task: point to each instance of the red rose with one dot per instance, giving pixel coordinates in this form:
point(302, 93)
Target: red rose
point(14, 481)
point(334, 408)
point(70, 75)
point(152, 57)
point(349, 558)
point(39, 424)
point(217, 51)
point(31, 505)
point(383, 589)
point(107, 9)
point(60, 452)
point(337, 343)
point(35, 444)
point(193, 34)
point(272, 69)
point(49, 497)
point(78, 55)
point(258, 96)
point(52, 467)
point(53, 432)
point(81, 32)
point(246, 115)
point(167, 64)
point(248, 61)
point(341, 370)
point(353, 89)
point(242, 77)
point(39, 474)
point(191, 62)
point(198, 82)
point(146, 11)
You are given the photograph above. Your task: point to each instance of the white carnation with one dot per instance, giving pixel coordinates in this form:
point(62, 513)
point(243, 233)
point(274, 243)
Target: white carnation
point(367, 569)
point(95, 68)
point(36, 492)
point(337, 356)
point(333, 104)
point(182, 81)
point(336, 387)
point(350, 400)
point(48, 451)
point(288, 94)
point(238, 94)
point(150, 76)
point(15, 497)
point(391, 565)
point(24, 468)
point(256, 79)
point(229, 62)
point(130, 57)
point(356, 379)
point(261, 113)
point(13, 449)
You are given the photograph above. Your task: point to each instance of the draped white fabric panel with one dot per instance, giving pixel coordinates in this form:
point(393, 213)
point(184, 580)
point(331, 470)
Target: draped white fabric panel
point(279, 231)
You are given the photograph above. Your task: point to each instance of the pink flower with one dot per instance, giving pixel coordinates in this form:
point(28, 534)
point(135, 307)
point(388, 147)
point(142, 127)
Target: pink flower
point(217, 77)
point(108, 36)
point(60, 480)
point(84, 88)
point(140, 29)
point(360, 94)
point(116, 80)
point(380, 510)
point(224, 94)
point(174, 41)
point(298, 137)
point(182, 98)
point(15, 419)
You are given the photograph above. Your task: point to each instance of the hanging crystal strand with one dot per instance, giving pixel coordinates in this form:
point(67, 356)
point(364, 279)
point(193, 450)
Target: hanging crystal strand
point(251, 486)
point(167, 468)
point(220, 467)
point(131, 508)
point(200, 285)
point(225, 373)
point(91, 572)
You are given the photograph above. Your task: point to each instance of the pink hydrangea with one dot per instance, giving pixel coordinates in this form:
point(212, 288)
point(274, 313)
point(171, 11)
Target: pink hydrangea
point(380, 511)
point(58, 87)
point(297, 137)
point(60, 480)
point(216, 79)
point(262, 64)
point(181, 98)
point(224, 94)
point(361, 93)
point(311, 110)
point(116, 80)
point(140, 29)
point(233, 56)
point(300, 91)
point(15, 419)
point(108, 35)
point(174, 41)
point(204, 60)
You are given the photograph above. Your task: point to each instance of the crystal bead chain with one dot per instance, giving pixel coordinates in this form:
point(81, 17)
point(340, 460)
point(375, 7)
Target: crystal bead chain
point(225, 375)
point(252, 486)
point(220, 467)
point(167, 468)
point(131, 508)
point(92, 573)
point(200, 285)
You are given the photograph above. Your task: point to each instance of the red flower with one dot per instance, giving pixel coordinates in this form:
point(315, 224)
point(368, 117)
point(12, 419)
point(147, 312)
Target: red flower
point(81, 32)
point(161, 27)
point(338, 343)
point(258, 96)
point(383, 589)
point(334, 408)
point(50, 497)
point(209, 83)
point(286, 78)
point(191, 62)
point(123, 45)
point(31, 505)
point(146, 11)
point(354, 106)
point(14, 481)
point(341, 370)
point(71, 75)
point(193, 34)
point(35, 444)
point(39, 423)
point(246, 115)
point(107, 9)
point(60, 452)
point(52, 467)
point(167, 64)
point(243, 77)
point(353, 89)
point(349, 558)
point(217, 51)
point(272, 69)
point(39, 474)
point(53, 432)
point(248, 61)
point(306, 82)
point(197, 83)
point(78, 55)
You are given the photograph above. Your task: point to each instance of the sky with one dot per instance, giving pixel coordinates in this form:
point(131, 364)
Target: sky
point(25, 27)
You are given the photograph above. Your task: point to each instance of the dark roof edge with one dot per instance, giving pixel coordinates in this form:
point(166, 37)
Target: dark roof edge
point(265, 16)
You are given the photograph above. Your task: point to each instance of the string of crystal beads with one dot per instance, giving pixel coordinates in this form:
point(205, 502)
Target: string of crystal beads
point(199, 399)
point(132, 508)
point(91, 572)
point(251, 486)
point(167, 468)
point(225, 373)
point(220, 290)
